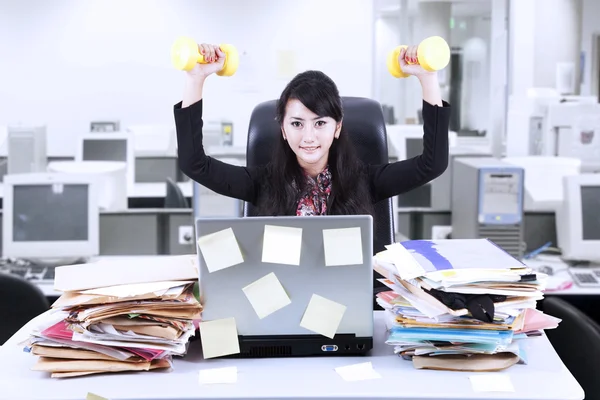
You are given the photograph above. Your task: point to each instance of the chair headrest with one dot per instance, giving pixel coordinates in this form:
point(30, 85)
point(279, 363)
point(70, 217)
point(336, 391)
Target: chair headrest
point(363, 122)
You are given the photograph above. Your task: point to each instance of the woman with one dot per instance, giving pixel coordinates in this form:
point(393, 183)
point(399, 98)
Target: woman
point(314, 170)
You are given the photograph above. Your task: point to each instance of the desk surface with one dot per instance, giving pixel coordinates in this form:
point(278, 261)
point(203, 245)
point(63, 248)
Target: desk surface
point(146, 190)
point(293, 378)
point(158, 189)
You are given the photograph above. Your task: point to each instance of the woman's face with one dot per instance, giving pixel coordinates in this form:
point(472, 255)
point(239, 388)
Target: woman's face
point(309, 136)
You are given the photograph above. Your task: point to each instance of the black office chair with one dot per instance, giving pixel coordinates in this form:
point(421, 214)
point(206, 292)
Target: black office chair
point(174, 197)
point(20, 301)
point(364, 122)
point(577, 342)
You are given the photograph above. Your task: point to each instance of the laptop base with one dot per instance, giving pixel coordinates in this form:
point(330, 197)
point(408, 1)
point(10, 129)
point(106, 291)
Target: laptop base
point(302, 346)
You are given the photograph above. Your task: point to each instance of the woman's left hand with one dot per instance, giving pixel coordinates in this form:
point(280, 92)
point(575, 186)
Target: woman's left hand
point(409, 63)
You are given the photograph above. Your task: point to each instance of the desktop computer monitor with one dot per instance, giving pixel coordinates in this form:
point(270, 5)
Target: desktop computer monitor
point(109, 147)
point(50, 217)
point(578, 219)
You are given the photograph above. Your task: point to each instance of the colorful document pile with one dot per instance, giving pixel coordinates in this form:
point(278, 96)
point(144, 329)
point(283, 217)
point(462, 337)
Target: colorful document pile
point(459, 304)
point(123, 327)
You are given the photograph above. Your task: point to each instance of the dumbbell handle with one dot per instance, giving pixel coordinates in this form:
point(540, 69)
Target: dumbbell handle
point(433, 54)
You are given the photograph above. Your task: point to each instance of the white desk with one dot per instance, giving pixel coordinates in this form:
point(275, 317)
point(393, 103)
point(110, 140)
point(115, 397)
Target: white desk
point(293, 378)
point(158, 189)
point(561, 276)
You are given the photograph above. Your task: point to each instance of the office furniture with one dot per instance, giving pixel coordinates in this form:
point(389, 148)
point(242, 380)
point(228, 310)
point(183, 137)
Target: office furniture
point(577, 342)
point(174, 197)
point(151, 169)
point(544, 377)
point(152, 195)
point(364, 122)
point(20, 301)
point(144, 232)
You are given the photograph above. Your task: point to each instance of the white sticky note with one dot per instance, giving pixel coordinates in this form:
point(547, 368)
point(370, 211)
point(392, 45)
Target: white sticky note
point(323, 316)
point(219, 338)
point(492, 382)
point(266, 295)
point(218, 375)
point(358, 372)
point(343, 246)
point(220, 250)
point(281, 245)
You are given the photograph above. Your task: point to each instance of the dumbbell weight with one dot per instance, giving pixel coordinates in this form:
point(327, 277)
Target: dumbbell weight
point(433, 54)
point(185, 54)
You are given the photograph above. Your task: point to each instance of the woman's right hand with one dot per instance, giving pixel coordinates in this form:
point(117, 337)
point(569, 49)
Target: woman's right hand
point(215, 60)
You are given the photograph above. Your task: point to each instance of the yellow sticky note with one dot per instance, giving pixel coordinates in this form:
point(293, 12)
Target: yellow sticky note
point(343, 246)
point(219, 338)
point(220, 250)
point(266, 295)
point(491, 382)
point(323, 316)
point(282, 245)
point(358, 372)
point(218, 375)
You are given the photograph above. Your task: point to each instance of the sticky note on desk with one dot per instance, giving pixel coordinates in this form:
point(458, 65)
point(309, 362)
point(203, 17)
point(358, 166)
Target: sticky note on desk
point(220, 250)
point(343, 246)
point(491, 382)
point(92, 396)
point(323, 316)
point(358, 372)
point(282, 245)
point(219, 338)
point(218, 375)
point(266, 295)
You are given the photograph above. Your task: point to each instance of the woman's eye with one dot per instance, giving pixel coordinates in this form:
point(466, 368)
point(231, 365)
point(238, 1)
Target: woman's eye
point(321, 123)
point(296, 124)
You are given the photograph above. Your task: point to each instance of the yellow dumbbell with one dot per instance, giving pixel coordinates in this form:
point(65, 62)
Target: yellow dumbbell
point(433, 54)
point(185, 54)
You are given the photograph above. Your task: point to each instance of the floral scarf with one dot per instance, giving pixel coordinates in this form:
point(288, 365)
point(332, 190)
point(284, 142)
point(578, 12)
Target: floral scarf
point(313, 201)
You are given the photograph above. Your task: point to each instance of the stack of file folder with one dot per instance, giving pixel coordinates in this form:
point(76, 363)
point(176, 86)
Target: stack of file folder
point(459, 304)
point(135, 320)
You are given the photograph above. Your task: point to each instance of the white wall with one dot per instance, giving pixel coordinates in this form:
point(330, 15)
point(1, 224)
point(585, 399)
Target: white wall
point(589, 27)
point(67, 62)
point(557, 38)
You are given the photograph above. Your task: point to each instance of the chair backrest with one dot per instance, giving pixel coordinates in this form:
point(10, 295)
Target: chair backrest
point(20, 301)
point(174, 197)
point(577, 343)
point(364, 122)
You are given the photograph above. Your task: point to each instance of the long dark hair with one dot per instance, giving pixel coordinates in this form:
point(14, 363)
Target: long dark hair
point(286, 180)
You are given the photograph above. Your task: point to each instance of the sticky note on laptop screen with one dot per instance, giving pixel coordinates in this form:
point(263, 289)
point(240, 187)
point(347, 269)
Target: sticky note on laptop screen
point(323, 316)
point(343, 246)
point(219, 338)
point(220, 250)
point(266, 295)
point(282, 245)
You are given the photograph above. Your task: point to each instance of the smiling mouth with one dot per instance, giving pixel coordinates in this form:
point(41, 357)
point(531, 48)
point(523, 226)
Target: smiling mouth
point(310, 148)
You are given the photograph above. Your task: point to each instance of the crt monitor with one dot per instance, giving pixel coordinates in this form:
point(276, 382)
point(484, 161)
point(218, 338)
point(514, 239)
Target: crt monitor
point(578, 219)
point(50, 217)
point(109, 147)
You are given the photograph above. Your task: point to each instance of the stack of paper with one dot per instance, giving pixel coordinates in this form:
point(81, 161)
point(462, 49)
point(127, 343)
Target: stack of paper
point(136, 326)
point(459, 304)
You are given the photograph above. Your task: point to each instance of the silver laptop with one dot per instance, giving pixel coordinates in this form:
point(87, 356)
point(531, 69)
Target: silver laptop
point(280, 333)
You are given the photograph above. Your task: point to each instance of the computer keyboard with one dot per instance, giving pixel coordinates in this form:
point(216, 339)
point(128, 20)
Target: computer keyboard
point(586, 277)
point(31, 272)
